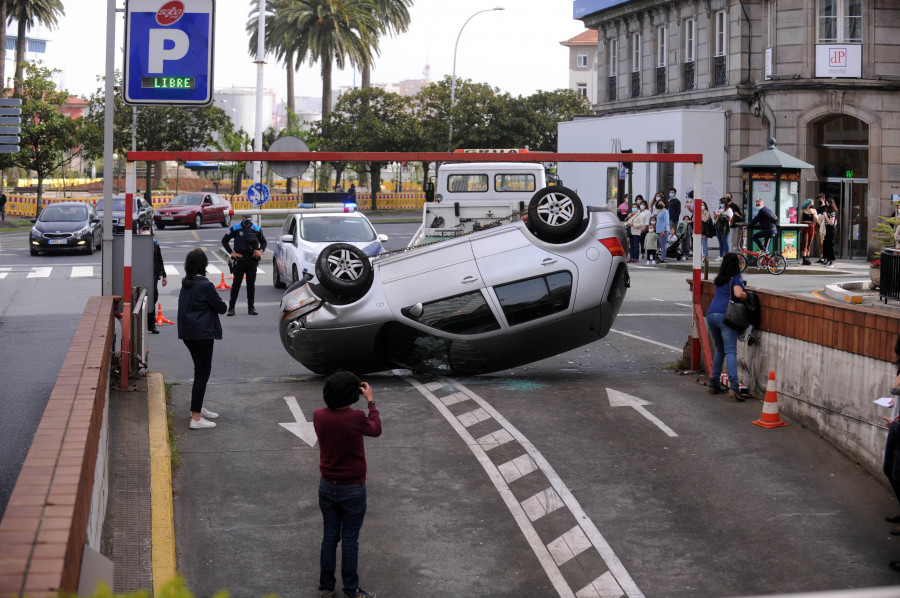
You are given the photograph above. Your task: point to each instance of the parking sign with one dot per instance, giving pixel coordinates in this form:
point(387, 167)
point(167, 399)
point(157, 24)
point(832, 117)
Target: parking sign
point(168, 52)
point(258, 194)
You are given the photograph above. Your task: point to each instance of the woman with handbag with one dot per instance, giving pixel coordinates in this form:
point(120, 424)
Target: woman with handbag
point(729, 288)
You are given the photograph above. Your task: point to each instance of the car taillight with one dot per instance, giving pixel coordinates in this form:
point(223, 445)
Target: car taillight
point(614, 244)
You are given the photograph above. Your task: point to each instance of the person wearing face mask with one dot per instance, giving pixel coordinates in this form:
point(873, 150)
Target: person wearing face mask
point(159, 271)
point(820, 227)
point(249, 243)
point(674, 205)
point(646, 215)
point(634, 224)
point(662, 228)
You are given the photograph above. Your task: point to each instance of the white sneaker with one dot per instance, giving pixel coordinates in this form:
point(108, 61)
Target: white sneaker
point(204, 412)
point(202, 423)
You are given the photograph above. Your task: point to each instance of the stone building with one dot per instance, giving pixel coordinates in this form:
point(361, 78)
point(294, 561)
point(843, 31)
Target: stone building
point(820, 76)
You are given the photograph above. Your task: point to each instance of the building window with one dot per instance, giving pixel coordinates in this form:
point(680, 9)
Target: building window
point(581, 60)
point(773, 10)
point(613, 57)
point(840, 21)
point(661, 46)
point(689, 41)
point(635, 52)
point(581, 88)
point(720, 74)
point(721, 38)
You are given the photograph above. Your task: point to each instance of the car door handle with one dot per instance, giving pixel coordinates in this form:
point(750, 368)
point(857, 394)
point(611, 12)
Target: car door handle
point(469, 280)
point(548, 261)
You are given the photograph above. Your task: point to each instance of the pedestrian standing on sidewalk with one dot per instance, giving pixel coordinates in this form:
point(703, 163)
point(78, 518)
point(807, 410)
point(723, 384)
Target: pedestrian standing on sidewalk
point(634, 224)
point(159, 272)
point(2, 205)
point(831, 213)
point(663, 224)
point(729, 285)
point(723, 226)
point(821, 206)
point(808, 217)
point(342, 488)
point(199, 306)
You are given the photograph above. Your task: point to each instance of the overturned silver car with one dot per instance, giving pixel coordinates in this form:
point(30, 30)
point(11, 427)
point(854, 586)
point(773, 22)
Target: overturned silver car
point(483, 301)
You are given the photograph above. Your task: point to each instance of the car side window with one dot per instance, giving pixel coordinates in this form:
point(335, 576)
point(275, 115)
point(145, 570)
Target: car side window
point(513, 182)
point(462, 314)
point(534, 298)
point(467, 183)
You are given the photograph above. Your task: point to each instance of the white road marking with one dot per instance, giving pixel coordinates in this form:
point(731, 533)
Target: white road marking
point(495, 439)
point(473, 417)
point(82, 272)
point(685, 305)
point(616, 581)
point(542, 503)
point(647, 340)
point(301, 428)
point(212, 270)
point(453, 399)
point(655, 299)
point(40, 272)
point(568, 546)
point(171, 270)
point(653, 315)
point(517, 468)
point(3, 275)
point(620, 399)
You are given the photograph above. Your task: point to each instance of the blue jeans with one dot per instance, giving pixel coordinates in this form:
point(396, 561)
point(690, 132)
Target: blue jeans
point(704, 245)
point(723, 243)
point(635, 247)
point(766, 236)
point(663, 246)
point(343, 510)
point(725, 339)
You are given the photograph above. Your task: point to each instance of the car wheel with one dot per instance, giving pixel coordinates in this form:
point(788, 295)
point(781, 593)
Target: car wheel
point(89, 249)
point(276, 276)
point(226, 221)
point(34, 251)
point(198, 221)
point(160, 226)
point(344, 270)
point(295, 276)
point(554, 213)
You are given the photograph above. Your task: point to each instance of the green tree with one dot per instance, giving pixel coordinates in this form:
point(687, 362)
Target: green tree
point(546, 110)
point(393, 17)
point(3, 10)
point(27, 14)
point(230, 140)
point(159, 128)
point(332, 32)
point(369, 120)
point(48, 137)
point(284, 47)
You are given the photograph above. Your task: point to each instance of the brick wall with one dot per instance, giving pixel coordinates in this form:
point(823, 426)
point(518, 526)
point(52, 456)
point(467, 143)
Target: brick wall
point(42, 534)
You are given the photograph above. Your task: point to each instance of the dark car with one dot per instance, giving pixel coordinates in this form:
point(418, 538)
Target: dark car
point(142, 212)
point(69, 225)
point(194, 210)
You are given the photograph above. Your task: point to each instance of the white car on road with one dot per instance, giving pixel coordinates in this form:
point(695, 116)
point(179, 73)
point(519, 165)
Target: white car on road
point(306, 234)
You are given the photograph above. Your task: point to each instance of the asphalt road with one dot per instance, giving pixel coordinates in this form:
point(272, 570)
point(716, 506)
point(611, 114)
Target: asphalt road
point(595, 471)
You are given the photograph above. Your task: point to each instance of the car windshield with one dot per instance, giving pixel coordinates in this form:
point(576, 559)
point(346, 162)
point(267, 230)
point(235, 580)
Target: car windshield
point(64, 214)
point(332, 229)
point(186, 200)
point(117, 203)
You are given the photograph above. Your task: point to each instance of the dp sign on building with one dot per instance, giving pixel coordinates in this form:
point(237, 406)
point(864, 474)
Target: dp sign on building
point(168, 52)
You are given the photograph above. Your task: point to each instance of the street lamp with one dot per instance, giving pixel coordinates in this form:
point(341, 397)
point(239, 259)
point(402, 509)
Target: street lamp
point(453, 81)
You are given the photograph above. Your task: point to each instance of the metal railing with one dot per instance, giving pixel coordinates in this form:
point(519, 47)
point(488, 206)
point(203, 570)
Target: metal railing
point(889, 288)
point(660, 80)
point(612, 89)
point(721, 74)
point(688, 76)
point(635, 84)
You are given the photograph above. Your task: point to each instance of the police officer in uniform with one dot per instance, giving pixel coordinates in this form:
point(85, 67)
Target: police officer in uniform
point(159, 271)
point(249, 243)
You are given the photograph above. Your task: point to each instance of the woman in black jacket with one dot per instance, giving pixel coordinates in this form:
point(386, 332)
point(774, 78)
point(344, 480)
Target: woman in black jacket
point(199, 306)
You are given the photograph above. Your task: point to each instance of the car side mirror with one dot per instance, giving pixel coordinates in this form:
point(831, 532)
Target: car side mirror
point(413, 312)
point(383, 238)
point(34, 220)
point(287, 238)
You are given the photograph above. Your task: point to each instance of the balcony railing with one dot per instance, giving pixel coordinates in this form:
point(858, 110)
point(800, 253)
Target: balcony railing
point(635, 84)
point(660, 80)
point(612, 89)
point(721, 75)
point(688, 76)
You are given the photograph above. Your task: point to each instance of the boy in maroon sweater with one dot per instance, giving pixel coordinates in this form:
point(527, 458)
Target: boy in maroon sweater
point(342, 488)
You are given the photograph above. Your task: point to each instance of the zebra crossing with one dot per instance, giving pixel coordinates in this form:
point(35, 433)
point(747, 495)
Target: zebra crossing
point(10, 273)
point(574, 555)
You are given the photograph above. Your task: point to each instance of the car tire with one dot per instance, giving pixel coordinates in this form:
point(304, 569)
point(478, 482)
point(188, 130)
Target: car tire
point(276, 276)
point(34, 251)
point(226, 221)
point(198, 221)
point(89, 249)
point(160, 226)
point(554, 213)
point(344, 270)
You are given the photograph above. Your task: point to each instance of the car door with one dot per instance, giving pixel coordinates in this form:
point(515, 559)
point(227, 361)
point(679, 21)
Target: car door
point(219, 207)
point(507, 256)
point(286, 251)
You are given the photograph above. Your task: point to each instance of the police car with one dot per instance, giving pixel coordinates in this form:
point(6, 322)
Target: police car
point(306, 234)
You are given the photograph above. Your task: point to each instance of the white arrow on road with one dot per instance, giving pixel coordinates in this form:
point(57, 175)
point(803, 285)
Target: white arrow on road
point(620, 399)
point(303, 429)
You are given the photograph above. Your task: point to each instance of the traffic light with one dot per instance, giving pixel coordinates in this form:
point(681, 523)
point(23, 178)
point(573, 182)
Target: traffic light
point(627, 165)
point(10, 119)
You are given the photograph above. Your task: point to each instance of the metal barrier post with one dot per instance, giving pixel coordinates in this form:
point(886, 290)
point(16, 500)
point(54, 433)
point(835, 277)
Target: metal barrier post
point(890, 275)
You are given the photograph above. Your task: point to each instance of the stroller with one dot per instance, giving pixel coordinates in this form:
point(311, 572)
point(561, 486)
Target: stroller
point(673, 251)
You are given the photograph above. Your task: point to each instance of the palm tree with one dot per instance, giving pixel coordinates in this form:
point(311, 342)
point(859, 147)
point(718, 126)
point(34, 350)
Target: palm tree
point(333, 32)
point(283, 49)
point(27, 14)
point(394, 18)
point(2, 45)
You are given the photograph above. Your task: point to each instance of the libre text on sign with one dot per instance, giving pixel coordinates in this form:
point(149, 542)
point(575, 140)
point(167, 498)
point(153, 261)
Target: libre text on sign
point(168, 52)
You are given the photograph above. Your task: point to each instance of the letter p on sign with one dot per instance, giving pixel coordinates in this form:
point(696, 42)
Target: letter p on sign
point(169, 40)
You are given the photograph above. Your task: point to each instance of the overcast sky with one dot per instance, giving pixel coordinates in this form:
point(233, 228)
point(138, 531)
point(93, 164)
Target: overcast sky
point(516, 49)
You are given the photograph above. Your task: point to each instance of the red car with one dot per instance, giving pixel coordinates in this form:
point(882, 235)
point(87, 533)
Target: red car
point(194, 210)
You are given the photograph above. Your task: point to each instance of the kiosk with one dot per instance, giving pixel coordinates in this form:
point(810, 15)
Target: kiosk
point(774, 176)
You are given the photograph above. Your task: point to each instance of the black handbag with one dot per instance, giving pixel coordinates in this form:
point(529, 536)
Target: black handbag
point(737, 314)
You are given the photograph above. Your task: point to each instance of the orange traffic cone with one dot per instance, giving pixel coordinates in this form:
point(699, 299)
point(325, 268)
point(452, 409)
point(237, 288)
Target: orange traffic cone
point(222, 284)
point(769, 417)
point(160, 318)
